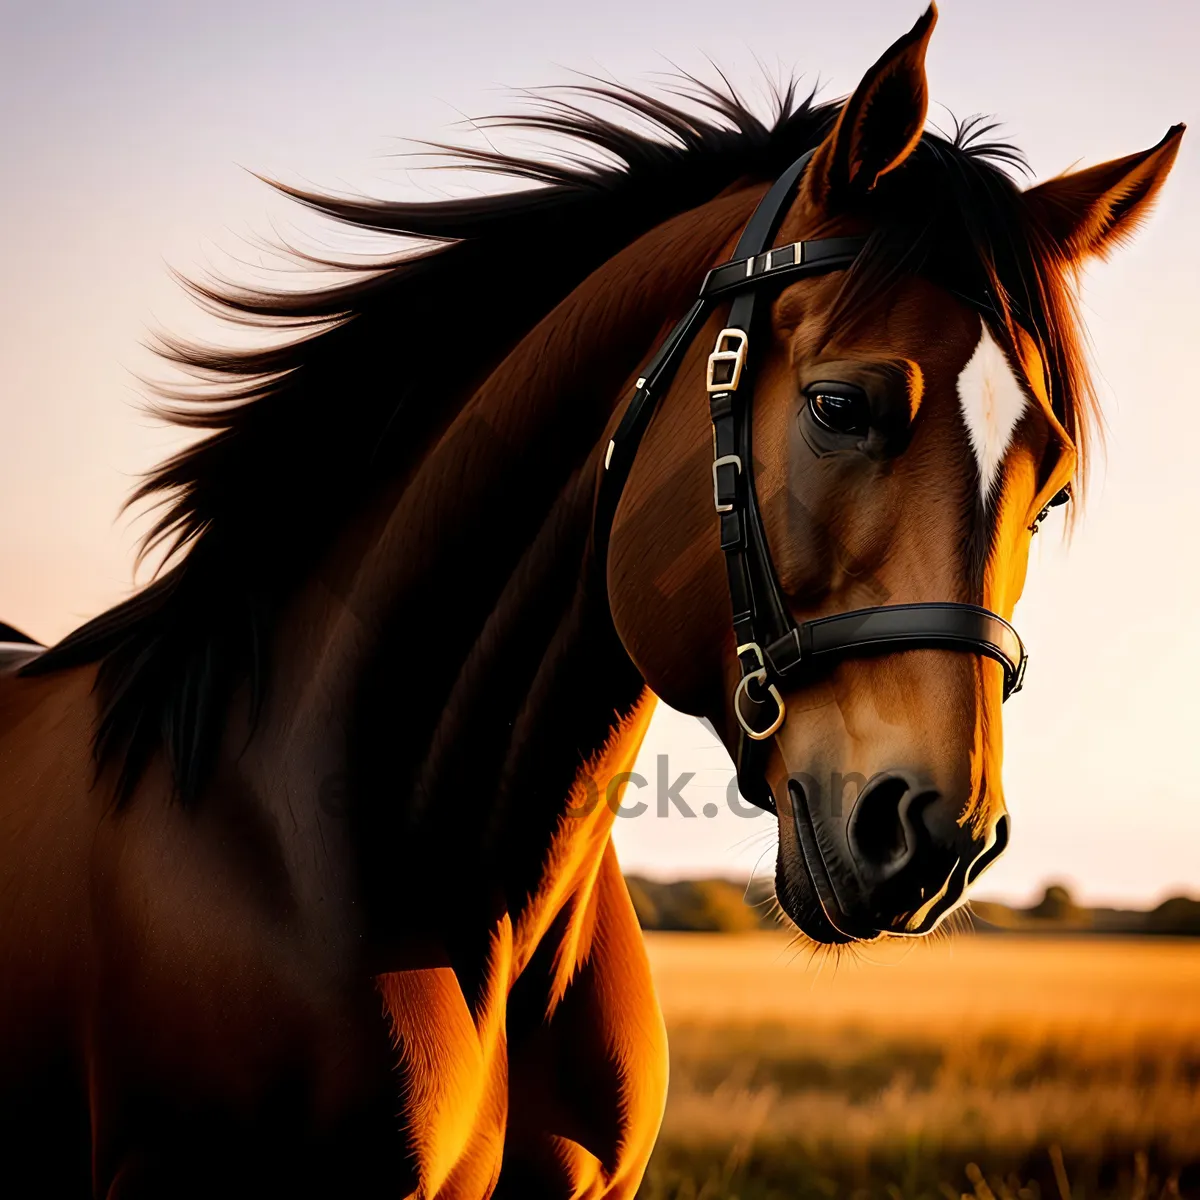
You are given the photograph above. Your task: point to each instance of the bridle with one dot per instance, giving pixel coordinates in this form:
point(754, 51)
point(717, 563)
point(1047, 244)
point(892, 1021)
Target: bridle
point(773, 650)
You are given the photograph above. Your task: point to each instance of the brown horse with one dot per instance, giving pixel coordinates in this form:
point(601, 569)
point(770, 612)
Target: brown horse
point(304, 888)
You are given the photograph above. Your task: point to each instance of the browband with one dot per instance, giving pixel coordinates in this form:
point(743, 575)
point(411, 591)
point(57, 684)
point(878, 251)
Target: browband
point(797, 260)
point(772, 648)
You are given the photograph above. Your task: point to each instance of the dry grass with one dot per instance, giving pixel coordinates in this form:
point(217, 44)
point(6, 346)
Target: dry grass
point(1002, 1067)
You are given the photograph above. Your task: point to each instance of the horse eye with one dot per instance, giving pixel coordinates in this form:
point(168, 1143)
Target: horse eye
point(839, 407)
point(1063, 496)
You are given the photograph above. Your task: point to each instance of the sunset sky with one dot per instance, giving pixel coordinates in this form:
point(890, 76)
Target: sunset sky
point(126, 131)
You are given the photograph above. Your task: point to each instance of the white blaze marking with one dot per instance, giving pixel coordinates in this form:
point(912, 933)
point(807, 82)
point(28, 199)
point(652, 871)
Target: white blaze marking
point(992, 402)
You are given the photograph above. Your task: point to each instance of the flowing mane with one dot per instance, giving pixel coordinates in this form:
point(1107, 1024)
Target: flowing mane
point(301, 435)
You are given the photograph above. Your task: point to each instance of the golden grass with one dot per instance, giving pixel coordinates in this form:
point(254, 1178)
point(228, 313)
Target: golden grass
point(935, 1069)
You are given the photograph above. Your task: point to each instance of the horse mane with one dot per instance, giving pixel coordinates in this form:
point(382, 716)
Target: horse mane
point(300, 434)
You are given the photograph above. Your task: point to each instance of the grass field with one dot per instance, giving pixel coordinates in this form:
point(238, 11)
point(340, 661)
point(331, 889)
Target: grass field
point(1006, 1068)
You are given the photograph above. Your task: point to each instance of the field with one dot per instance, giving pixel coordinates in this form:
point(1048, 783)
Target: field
point(1005, 1068)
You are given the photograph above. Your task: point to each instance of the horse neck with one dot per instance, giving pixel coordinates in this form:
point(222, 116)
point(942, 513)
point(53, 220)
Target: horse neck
point(467, 664)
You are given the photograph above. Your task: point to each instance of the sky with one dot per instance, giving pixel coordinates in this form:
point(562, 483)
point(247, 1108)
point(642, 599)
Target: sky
point(128, 134)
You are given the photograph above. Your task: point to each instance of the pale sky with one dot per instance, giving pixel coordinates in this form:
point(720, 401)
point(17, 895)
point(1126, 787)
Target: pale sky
point(124, 131)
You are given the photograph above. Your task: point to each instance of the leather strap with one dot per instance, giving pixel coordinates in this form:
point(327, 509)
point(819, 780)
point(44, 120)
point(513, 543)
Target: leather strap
point(781, 265)
point(623, 447)
point(901, 626)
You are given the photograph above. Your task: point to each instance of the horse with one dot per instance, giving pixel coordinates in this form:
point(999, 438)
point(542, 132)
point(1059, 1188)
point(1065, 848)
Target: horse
point(308, 882)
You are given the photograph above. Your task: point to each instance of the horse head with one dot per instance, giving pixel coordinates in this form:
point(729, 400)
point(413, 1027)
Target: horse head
point(913, 418)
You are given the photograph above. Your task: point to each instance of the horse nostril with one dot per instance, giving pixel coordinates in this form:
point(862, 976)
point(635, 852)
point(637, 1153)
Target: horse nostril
point(877, 830)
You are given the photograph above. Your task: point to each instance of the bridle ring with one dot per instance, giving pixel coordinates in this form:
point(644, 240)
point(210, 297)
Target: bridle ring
point(759, 677)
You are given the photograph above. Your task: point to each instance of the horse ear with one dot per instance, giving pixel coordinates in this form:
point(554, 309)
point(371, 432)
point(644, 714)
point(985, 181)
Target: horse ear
point(1088, 212)
point(880, 125)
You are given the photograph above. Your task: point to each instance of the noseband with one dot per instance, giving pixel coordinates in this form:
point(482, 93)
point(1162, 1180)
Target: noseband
point(773, 651)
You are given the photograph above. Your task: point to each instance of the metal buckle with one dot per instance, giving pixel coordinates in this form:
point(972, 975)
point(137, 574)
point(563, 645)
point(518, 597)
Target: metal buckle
point(722, 354)
point(724, 461)
point(759, 677)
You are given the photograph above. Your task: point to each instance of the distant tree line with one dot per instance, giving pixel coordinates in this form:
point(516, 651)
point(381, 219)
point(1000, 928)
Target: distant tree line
point(703, 905)
point(732, 906)
point(1057, 912)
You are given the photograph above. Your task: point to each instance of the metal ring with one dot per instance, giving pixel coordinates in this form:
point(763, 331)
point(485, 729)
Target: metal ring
point(759, 677)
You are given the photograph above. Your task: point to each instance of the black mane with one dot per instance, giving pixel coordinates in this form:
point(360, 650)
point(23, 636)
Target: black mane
point(300, 435)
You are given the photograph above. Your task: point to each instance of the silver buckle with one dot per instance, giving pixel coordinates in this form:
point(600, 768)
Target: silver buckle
point(724, 460)
point(723, 354)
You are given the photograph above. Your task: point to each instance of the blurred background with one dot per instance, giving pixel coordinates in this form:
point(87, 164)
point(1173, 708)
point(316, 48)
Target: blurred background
point(1058, 1051)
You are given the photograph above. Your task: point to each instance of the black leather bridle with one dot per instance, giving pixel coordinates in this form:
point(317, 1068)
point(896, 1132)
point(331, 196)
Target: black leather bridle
point(772, 649)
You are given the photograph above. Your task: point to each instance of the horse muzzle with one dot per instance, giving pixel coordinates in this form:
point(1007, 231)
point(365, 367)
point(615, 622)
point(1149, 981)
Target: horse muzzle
point(895, 863)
